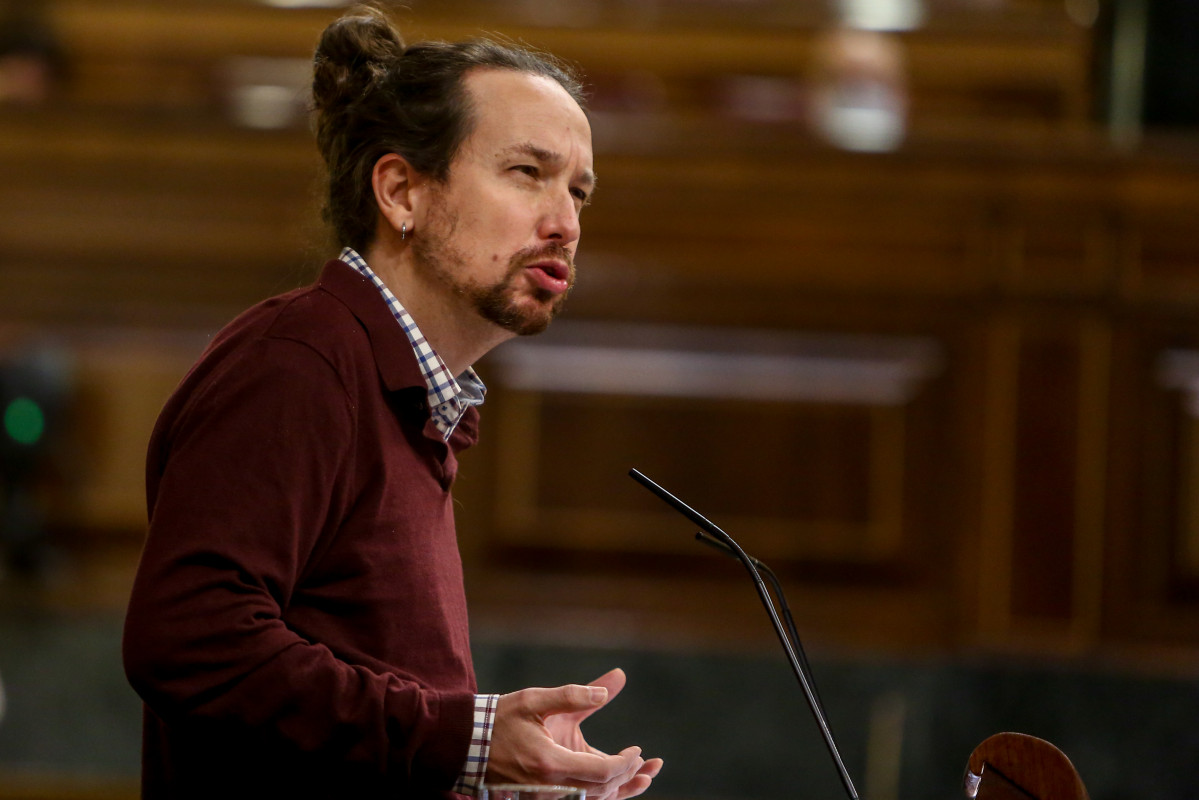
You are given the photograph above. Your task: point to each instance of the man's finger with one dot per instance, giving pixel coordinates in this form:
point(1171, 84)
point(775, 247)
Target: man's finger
point(563, 699)
point(641, 781)
point(634, 787)
point(636, 764)
point(595, 769)
point(613, 680)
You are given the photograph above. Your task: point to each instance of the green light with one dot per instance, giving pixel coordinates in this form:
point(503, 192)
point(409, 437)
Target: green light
point(24, 420)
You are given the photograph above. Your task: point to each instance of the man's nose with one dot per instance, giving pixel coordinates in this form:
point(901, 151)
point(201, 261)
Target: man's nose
point(560, 221)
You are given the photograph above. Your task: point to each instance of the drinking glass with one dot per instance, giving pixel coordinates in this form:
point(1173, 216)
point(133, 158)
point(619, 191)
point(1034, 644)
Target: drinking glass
point(526, 791)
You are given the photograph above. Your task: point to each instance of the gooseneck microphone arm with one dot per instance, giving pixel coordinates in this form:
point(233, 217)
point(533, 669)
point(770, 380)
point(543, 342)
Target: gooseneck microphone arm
point(749, 563)
point(777, 588)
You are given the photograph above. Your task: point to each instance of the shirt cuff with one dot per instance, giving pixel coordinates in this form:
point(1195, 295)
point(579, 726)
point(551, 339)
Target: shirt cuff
point(475, 768)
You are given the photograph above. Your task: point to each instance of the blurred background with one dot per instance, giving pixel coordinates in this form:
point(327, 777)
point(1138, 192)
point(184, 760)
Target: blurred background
point(903, 294)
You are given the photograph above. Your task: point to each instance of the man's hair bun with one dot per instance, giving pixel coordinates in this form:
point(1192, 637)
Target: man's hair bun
point(354, 55)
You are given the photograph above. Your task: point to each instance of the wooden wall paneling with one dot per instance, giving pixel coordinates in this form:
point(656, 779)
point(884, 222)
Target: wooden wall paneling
point(120, 220)
point(1162, 259)
point(994, 567)
point(1038, 76)
point(1001, 63)
point(1179, 372)
point(803, 450)
point(1044, 504)
point(172, 57)
point(847, 507)
point(1001, 249)
point(1167, 590)
point(855, 503)
point(1144, 461)
point(1159, 256)
point(1091, 477)
point(1152, 592)
point(1059, 249)
point(123, 380)
point(796, 221)
point(846, 489)
point(1045, 494)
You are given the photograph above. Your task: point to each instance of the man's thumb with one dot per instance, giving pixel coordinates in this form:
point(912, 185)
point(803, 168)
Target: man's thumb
point(564, 699)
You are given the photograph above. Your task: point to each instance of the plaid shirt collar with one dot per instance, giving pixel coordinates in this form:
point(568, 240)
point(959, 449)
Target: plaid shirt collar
point(449, 397)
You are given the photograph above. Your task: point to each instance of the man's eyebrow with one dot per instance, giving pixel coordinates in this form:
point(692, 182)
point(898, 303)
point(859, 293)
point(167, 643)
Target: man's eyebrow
point(549, 157)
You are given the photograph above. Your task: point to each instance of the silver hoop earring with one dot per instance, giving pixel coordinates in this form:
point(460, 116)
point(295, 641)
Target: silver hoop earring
point(403, 231)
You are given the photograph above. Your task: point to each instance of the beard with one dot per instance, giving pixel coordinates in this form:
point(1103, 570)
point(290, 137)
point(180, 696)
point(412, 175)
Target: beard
point(500, 303)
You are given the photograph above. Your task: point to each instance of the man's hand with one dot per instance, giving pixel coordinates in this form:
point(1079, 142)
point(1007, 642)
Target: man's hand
point(537, 739)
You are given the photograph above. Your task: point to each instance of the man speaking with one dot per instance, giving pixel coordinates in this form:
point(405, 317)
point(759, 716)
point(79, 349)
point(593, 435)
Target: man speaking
point(298, 626)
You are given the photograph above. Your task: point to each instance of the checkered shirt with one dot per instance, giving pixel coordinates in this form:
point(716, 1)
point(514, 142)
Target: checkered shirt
point(480, 745)
point(448, 399)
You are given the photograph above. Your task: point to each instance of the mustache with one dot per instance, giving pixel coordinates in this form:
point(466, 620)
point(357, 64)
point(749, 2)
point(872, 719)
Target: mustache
point(530, 255)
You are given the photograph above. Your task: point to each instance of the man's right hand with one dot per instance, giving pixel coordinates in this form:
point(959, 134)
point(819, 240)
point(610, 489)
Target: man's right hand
point(523, 750)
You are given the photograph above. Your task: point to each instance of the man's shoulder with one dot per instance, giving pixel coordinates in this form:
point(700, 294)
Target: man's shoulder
point(309, 315)
point(301, 331)
point(337, 324)
point(317, 318)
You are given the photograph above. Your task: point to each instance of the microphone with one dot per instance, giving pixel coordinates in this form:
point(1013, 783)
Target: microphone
point(718, 538)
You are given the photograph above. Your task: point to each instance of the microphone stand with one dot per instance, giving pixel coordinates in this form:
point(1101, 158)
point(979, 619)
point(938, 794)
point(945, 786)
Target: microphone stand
point(706, 538)
point(727, 542)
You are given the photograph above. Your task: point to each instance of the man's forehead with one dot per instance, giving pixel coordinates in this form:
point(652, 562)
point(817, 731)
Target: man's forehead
point(515, 84)
point(519, 107)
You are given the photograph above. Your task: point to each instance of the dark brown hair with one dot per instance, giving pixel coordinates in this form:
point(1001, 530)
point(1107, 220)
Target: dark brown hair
point(373, 95)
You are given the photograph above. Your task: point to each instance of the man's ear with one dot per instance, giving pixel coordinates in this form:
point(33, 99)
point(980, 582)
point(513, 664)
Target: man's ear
point(393, 180)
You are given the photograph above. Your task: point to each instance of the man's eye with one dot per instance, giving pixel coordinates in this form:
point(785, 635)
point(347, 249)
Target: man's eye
point(579, 195)
point(527, 169)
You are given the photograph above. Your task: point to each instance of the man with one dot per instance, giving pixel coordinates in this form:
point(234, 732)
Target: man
point(297, 627)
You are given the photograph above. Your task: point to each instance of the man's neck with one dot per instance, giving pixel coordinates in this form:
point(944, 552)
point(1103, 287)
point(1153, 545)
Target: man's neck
point(458, 334)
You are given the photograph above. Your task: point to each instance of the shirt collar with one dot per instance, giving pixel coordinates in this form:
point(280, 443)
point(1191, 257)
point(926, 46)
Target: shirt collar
point(449, 397)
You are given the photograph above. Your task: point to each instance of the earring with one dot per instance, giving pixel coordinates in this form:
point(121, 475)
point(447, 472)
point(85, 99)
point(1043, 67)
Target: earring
point(403, 231)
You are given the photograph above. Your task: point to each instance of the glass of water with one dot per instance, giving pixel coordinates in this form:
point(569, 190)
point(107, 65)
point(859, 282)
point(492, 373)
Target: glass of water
point(525, 791)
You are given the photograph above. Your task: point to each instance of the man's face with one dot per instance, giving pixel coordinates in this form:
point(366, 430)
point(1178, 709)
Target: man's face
point(500, 234)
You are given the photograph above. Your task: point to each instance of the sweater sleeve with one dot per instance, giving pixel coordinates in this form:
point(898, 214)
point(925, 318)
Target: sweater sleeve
point(253, 472)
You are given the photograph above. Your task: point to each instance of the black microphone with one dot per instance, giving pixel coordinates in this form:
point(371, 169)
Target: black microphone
point(724, 541)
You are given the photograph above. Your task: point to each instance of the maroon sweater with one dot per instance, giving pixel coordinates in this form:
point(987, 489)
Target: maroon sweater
point(298, 624)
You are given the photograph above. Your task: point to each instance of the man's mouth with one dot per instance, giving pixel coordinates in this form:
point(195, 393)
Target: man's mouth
point(550, 275)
